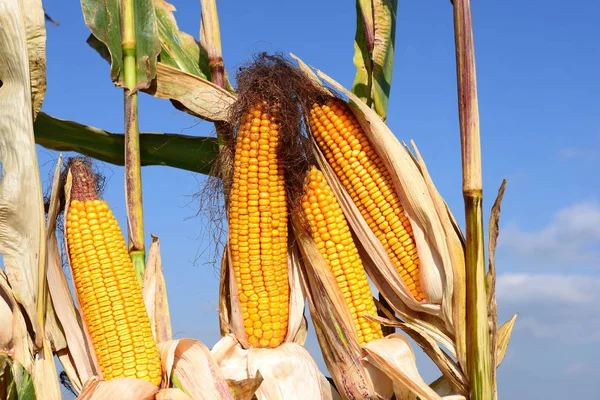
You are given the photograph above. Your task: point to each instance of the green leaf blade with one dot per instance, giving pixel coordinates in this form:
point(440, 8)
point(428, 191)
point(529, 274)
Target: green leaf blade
point(191, 153)
point(103, 18)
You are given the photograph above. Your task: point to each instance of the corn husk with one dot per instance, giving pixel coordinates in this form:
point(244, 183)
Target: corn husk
point(119, 388)
point(288, 371)
point(377, 370)
point(195, 369)
point(154, 291)
point(172, 394)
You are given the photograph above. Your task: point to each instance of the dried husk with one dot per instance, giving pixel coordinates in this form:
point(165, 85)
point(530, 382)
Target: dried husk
point(118, 388)
point(154, 291)
point(21, 205)
point(195, 369)
point(393, 355)
point(355, 375)
point(456, 246)
point(16, 340)
point(334, 327)
point(287, 370)
point(172, 394)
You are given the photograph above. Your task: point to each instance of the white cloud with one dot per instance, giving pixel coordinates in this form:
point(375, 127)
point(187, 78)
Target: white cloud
point(579, 153)
point(578, 368)
point(547, 288)
point(553, 306)
point(573, 235)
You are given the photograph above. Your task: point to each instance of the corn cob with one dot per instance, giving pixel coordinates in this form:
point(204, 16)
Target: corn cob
point(332, 236)
point(108, 290)
point(363, 174)
point(258, 229)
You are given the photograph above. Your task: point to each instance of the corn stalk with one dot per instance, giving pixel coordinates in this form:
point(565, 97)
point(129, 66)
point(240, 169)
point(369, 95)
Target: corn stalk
point(133, 167)
point(479, 364)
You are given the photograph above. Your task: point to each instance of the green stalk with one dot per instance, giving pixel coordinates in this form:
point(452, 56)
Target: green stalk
point(479, 365)
point(133, 171)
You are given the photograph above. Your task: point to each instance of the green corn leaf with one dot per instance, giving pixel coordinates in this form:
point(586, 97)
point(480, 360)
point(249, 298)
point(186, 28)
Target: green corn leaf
point(191, 153)
point(179, 49)
point(104, 20)
point(374, 52)
point(15, 382)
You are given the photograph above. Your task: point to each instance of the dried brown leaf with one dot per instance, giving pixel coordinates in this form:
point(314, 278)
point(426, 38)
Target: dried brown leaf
point(198, 96)
point(21, 204)
point(35, 30)
point(118, 388)
point(155, 295)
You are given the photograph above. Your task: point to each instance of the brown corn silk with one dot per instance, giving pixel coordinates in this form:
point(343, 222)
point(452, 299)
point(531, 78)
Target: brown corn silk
point(258, 228)
point(332, 236)
point(109, 293)
point(348, 151)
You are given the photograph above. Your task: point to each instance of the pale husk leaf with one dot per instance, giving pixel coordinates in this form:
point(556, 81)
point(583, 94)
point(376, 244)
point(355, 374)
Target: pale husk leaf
point(245, 389)
point(329, 392)
point(457, 254)
point(52, 327)
point(441, 359)
point(224, 302)
point(394, 356)
point(68, 366)
point(490, 280)
point(231, 357)
point(19, 343)
point(21, 203)
point(199, 96)
point(6, 320)
point(504, 334)
point(195, 369)
point(288, 372)
point(118, 388)
point(172, 394)
point(84, 347)
point(45, 378)
point(333, 323)
point(309, 73)
point(35, 30)
point(155, 295)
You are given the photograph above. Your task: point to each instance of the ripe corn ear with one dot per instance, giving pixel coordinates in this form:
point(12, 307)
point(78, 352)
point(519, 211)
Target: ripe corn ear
point(348, 151)
point(109, 293)
point(333, 238)
point(258, 224)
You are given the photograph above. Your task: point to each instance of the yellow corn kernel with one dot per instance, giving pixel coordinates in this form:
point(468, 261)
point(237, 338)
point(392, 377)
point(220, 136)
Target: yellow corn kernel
point(350, 276)
point(258, 229)
point(347, 149)
point(109, 293)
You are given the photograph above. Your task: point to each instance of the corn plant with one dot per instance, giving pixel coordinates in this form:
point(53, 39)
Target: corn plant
point(321, 199)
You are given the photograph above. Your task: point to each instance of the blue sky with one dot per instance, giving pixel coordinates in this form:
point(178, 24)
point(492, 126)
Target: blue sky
point(539, 93)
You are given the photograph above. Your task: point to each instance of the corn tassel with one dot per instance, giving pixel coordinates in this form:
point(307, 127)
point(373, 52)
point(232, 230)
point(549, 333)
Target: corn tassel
point(333, 238)
point(258, 230)
point(348, 151)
